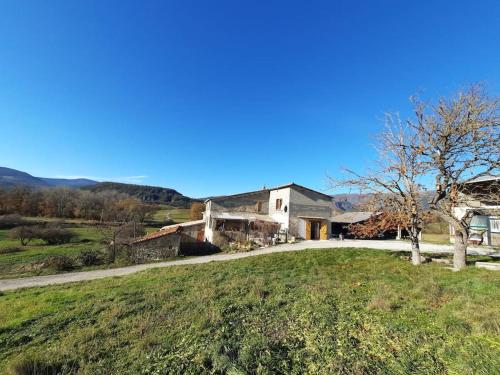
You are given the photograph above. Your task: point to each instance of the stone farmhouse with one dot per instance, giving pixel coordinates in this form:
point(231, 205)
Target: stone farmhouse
point(289, 211)
point(280, 214)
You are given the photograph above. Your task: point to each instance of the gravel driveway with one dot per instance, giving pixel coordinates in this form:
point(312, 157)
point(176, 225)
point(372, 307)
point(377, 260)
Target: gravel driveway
point(10, 284)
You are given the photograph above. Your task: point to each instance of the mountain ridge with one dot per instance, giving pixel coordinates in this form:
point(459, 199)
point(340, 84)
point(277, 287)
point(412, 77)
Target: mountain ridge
point(10, 177)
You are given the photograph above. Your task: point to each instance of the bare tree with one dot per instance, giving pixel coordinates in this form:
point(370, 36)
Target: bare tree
point(459, 139)
point(395, 179)
point(196, 211)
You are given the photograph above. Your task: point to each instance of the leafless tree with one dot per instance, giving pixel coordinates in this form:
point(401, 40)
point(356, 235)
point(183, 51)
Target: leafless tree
point(196, 211)
point(459, 141)
point(395, 179)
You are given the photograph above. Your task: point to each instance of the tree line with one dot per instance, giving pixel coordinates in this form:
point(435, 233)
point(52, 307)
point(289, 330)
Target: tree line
point(60, 202)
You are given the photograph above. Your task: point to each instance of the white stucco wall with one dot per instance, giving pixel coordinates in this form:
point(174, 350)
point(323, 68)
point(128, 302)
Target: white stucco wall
point(209, 233)
point(280, 216)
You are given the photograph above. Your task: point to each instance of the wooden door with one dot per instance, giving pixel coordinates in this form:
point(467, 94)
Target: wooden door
point(324, 231)
point(308, 230)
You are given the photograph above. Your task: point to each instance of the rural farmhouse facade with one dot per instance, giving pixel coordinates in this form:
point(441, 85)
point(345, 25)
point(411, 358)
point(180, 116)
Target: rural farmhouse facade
point(288, 210)
point(262, 217)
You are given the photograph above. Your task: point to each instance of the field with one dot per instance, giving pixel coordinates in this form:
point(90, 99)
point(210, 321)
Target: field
point(436, 232)
point(23, 263)
point(178, 215)
point(89, 237)
point(352, 311)
point(438, 238)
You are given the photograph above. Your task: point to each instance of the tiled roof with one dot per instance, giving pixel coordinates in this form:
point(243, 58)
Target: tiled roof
point(162, 232)
point(169, 229)
point(215, 198)
point(351, 217)
point(186, 224)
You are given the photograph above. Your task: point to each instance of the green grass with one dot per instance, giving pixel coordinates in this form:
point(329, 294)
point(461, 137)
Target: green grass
point(178, 215)
point(345, 311)
point(19, 264)
point(437, 238)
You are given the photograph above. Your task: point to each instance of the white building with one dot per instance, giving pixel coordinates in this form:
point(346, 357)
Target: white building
point(481, 197)
point(290, 210)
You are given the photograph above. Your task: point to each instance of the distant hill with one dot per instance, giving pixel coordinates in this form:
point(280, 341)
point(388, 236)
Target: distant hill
point(148, 194)
point(354, 202)
point(12, 177)
point(75, 182)
point(349, 202)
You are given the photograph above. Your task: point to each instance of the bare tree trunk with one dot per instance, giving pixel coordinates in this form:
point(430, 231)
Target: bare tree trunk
point(460, 250)
point(415, 251)
point(415, 241)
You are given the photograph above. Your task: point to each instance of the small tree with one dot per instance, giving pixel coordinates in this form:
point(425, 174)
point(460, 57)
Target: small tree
point(395, 179)
point(23, 233)
point(459, 141)
point(196, 211)
point(120, 235)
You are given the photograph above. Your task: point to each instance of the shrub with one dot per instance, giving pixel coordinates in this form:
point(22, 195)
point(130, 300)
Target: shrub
point(30, 365)
point(10, 250)
point(56, 236)
point(11, 221)
point(24, 234)
point(60, 263)
point(196, 211)
point(91, 258)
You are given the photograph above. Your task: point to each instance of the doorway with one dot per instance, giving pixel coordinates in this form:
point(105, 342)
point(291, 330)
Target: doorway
point(315, 230)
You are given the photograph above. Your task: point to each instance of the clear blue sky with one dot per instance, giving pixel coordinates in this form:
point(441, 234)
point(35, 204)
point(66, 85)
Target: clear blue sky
point(215, 97)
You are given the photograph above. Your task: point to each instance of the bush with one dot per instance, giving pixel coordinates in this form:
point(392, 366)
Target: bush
point(24, 234)
point(37, 366)
point(56, 236)
point(10, 250)
point(60, 263)
point(91, 258)
point(11, 221)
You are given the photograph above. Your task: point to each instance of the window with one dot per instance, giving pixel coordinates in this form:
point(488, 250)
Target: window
point(495, 225)
point(279, 203)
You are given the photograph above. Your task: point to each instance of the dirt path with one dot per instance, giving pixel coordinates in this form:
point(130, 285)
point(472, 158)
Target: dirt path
point(10, 284)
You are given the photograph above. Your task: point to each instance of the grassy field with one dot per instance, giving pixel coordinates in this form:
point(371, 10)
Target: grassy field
point(437, 238)
point(178, 215)
point(89, 237)
point(349, 311)
point(437, 232)
point(20, 264)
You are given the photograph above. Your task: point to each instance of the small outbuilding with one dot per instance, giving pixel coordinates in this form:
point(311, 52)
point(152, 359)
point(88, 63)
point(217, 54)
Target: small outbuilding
point(340, 223)
point(170, 241)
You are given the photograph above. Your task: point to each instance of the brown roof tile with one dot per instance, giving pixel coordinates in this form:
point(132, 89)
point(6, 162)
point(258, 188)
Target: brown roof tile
point(160, 233)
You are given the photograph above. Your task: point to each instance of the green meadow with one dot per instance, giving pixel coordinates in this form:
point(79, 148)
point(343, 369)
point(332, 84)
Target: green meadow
point(343, 311)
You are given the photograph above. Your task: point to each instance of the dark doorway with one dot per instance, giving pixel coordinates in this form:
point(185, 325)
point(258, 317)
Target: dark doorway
point(315, 230)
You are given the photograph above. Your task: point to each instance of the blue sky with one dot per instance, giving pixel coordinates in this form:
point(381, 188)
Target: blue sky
point(215, 97)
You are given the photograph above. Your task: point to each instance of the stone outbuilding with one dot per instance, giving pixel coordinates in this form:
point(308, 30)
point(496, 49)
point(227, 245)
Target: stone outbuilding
point(170, 241)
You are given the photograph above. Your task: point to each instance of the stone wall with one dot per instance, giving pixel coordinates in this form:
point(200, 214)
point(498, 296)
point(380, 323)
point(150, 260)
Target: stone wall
point(193, 246)
point(307, 203)
point(256, 202)
point(156, 249)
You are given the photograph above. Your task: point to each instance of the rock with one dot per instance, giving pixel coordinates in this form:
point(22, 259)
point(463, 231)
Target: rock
point(441, 260)
point(494, 266)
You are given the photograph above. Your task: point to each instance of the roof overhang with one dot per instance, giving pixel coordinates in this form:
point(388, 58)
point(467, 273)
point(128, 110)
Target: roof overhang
point(313, 218)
